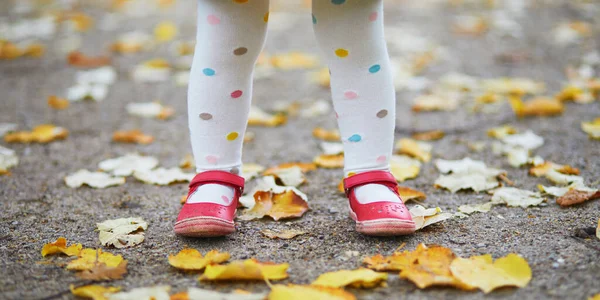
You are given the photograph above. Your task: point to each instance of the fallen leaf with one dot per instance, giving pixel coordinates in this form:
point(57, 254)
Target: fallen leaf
point(501, 132)
point(316, 108)
point(128, 164)
point(305, 167)
point(249, 269)
point(413, 148)
point(329, 161)
point(562, 179)
point(94, 292)
point(285, 234)
point(150, 110)
point(276, 205)
point(192, 260)
point(536, 107)
point(60, 246)
point(543, 168)
point(408, 194)
point(83, 91)
point(6, 128)
point(106, 75)
point(430, 266)
point(146, 293)
point(40, 134)
point(467, 174)
point(512, 86)
point(470, 25)
point(258, 117)
point(592, 128)
point(90, 258)
point(249, 171)
point(78, 59)
point(304, 292)
point(516, 197)
point(162, 176)
point(294, 60)
point(58, 103)
point(132, 42)
point(122, 233)
point(165, 31)
point(432, 135)
point(560, 191)
point(151, 71)
point(573, 197)
point(187, 162)
point(202, 294)
point(424, 217)
point(97, 180)
point(332, 148)
point(398, 261)
point(434, 103)
point(527, 140)
point(132, 136)
point(404, 167)
point(8, 159)
point(571, 32)
point(327, 135)
point(483, 273)
point(472, 208)
point(102, 272)
point(359, 278)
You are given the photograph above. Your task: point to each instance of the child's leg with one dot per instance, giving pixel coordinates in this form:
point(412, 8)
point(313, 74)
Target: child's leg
point(350, 33)
point(230, 37)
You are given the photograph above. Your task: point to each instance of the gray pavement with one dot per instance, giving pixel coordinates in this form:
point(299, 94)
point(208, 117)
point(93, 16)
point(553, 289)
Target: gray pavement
point(37, 207)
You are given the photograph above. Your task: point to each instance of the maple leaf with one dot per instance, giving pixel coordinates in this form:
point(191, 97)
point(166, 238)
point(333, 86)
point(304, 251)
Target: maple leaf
point(304, 292)
point(404, 167)
point(413, 148)
point(150, 110)
point(192, 260)
point(329, 161)
point(60, 246)
point(482, 272)
point(249, 269)
point(278, 206)
point(359, 278)
point(122, 233)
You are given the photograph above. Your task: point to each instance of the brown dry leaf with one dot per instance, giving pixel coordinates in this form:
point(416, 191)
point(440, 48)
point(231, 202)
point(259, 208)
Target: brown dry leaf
point(58, 103)
point(94, 292)
point(192, 260)
point(305, 292)
point(428, 135)
point(101, 271)
point(573, 197)
point(359, 278)
point(135, 136)
point(327, 135)
point(40, 134)
point(536, 107)
point(249, 269)
point(396, 262)
point(259, 117)
point(60, 246)
point(305, 167)
point(408, 194)
point(418, 150)
point(277, 206)
point(285, 234)
point(180, 296)
point(294, 60)
point(79, 59)
point(430, 266)
point(592, 128)
point(330, 161)
point(482, 272)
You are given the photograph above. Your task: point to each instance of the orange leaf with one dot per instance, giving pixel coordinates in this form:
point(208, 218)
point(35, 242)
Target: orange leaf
point(132, 136)
point(277, 206)
point(573, 197)
point(305, 167)
point(537, 107)
point(103, 272)
point(60, 246)
point(79, 59)
point(408, 194)
point(326, 135)
point(58, 103)
point(192, 259)
point(428, 135)
point(40, 134)
point(330, 161)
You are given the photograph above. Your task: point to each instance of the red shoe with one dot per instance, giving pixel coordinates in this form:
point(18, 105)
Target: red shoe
point(378, 218)
point(209, 219)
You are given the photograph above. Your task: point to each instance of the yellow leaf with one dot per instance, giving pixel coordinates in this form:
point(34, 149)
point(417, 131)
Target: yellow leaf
point(132, 136)
point(428, 135)
point(40, 134)
point(483, 273)
point(94, 292)
point(88, 258)
point(101, 271)
point(434, 102)
point(408, 194)
point(79, 59)
point(330, 161)
point(404, 167)
point(294, 60)
point(359, 278)
point(9, 50)
point(418, 150)
point(396, 262)
point(537, 107)
point(81, 21)
point(249, 269)
point(304, 292)
point(597, 296)
point(258, 117)
point(165, 31)
point(544, 168)
point(192, 259)
point(60, 246)
point(285, 234)
point(305, 167)
point(321, 77)
point(58, 103)
point(276, 205)
point(592, 128)
point(501, 132)
point(326, 135)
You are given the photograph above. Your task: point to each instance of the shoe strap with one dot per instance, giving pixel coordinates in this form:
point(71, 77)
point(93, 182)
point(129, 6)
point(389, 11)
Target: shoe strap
point(378, 177)
point(218, 177)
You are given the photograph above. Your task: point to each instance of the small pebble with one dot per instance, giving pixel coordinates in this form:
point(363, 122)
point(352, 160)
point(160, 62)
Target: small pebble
point(480, 245)
point(555, 265)
point(560, 261)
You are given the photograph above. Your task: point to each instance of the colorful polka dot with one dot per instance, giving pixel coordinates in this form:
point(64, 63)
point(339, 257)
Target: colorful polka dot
point(213, 20)
point(211, 159)
point(266, 17)
point(350, 95)
point(314, 19)
point(382, 113)
point(225, 198)
point(235, 170)
point(355, 138)
point(374, 69)
point(205, 116)
point(232, 136)
point(341, 52)
point(240, 51)
point(338, 2)
point(381, 159)
point(208, 72)
point(373, 16)
point(236, 94)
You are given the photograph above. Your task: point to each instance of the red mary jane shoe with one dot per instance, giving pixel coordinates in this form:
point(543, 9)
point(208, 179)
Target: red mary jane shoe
point(209, 219)
point(378, 218)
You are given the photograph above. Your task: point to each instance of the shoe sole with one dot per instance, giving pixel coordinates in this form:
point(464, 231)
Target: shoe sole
point(204, 227)
point(384, 227)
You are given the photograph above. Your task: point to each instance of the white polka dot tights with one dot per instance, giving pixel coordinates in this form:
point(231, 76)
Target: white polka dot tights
point(230, 36)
